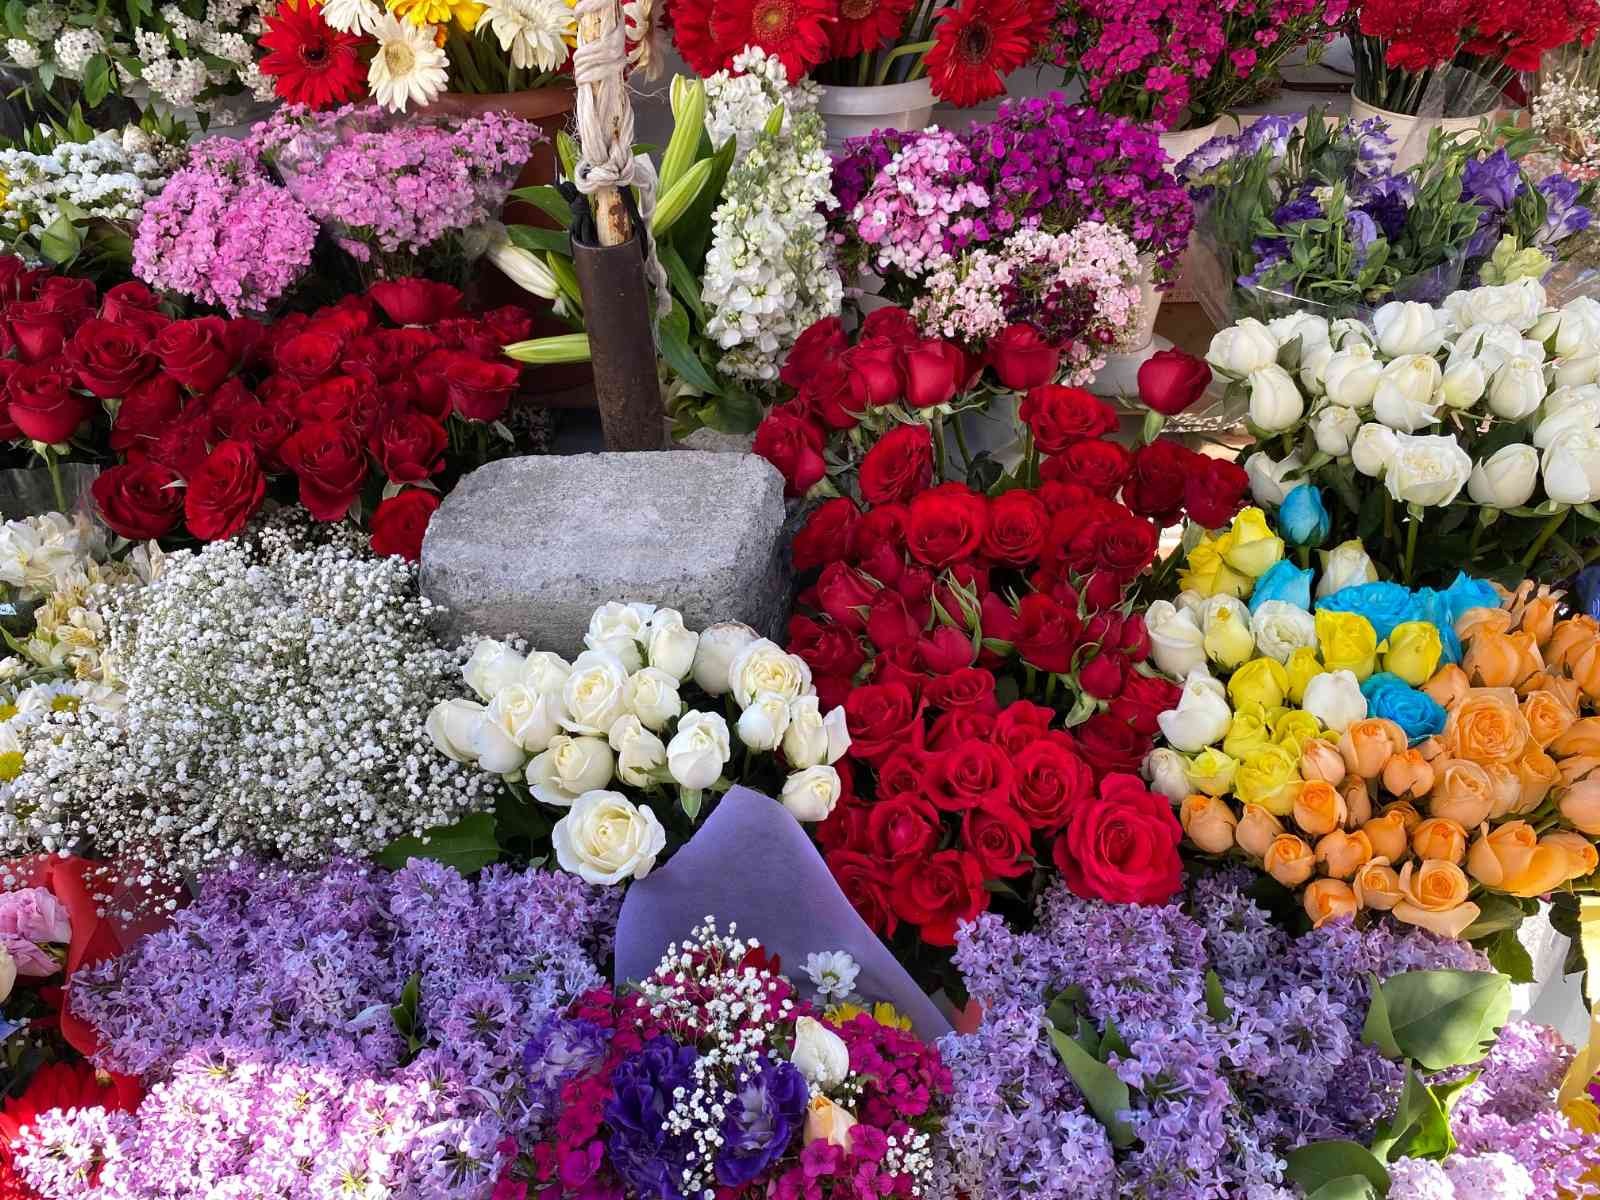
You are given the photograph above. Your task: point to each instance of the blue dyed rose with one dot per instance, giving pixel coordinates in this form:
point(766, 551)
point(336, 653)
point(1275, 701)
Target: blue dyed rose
point(1589, 591)
point(1384, 604)
point(650, 1160)
point(765, 1115)
point(1284, 581)
point(1418, 713)
point(1435, 609)
point(1469, 593)
point(1303, 518)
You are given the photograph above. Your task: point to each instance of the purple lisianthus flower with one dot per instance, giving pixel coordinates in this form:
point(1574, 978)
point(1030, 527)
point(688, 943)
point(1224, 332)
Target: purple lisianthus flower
point(765, 1116)
point(1494, 181)
point(1269, 253)
point(1363, 232)
point(1387, 201)
point(1564, 216)
point(1375, 153)
point(1302, 208)
point(1268, 131)
point(650, 1159)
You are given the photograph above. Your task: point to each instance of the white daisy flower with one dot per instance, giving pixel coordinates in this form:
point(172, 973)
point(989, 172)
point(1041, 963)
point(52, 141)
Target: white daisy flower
point(534, 33)
point(351, 16)
point(833, 973)
point(409, 67)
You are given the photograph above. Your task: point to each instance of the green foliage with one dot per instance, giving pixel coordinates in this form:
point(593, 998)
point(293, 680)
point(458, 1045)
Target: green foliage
point(1440, 1019)
point(469, 845)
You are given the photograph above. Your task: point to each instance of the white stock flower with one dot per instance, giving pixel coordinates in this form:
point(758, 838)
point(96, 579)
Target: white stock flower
point(1506, 478)
point(1517, 389)
point(1351, 376)
point(595, 693)
point(1268, 485)
point(1571, 467)
point(1373, 449)
point(1406, 399)
point(1281, 628)
point(765, 666)
point(1516, 304)
point(570, 767)
point(1202, 716)
point(810, 795)
point(820, 1054)
point(1335, 699)
point(1406, 327)
point(1275, 400)
point(605, 838)
point(651, 694)
point(811, 739)
point(1176, 642)
point(1243, 347)
point(669, 645)
point(1333, 428)
point(713, 656)
point(639, 752)
point(762, 726)
point(1428, 471)
point(699, 750)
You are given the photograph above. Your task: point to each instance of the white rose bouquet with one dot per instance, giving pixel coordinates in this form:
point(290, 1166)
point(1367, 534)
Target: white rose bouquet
point(628, 739)
point(1466, 432)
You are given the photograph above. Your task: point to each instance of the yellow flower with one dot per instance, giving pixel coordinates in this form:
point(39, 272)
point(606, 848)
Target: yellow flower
point(1228, 640)
point(1248, 733)
point(10, 765)
point(1414, 651)
point(1260, 681)
point(1206, 573)
point(438, 12)
point(883, 1013)
point(1294, 729)
point(1302, 667)
point(1268, 778)
point(1255, 547)
point(1348, 642)
point(1211, 771)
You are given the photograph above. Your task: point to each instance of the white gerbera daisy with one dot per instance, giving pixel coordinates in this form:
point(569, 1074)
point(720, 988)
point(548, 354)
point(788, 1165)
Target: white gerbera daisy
point(535, 33)
point(409, 67)
point(351, 16)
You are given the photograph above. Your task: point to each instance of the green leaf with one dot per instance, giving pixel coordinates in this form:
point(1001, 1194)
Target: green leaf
point(97, 79)
point(531, 237)
point(1440, 1018)
point(1496, 912)
point(1346, 1187)
point(17, 18)
point(1105, 1094)
point(1321, 1163)
point(61, 240)
point(1419, 1128)
point(1509, 956)
point(1377, 1031)
point(1216, 1003)
point(567, 154)
point(404, 1014)
point(549, 199)
point(675, 348)
point(685, 287)
point(691, 799)
point(469, 845)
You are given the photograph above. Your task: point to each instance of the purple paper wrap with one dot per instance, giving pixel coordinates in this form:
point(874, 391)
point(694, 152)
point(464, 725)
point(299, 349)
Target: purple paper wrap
point(752, 863)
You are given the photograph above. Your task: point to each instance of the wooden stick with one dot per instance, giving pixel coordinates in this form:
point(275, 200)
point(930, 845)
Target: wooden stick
point(610, 213)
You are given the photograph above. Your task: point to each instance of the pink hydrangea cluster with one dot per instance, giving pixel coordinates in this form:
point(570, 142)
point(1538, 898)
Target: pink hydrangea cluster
point(924, 195)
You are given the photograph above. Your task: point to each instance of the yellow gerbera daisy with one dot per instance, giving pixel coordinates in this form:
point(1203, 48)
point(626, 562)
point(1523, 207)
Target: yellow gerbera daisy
point(883, 1013)
point(438, 12)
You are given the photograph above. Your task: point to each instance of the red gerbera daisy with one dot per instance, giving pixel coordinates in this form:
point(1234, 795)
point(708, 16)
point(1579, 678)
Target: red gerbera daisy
point(313, 63)
point(793, 31)
point(977, 44)
point(865, 26)
point(690, 23)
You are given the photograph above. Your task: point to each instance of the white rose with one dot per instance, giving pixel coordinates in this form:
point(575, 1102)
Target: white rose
point(1176, 642)
point(1575, 328)
point(1202, 716)
point(1335, 699)
point(812, 739)
point(546, 672)
point(1313, 368)
point(719, 646)
point(669, 646)
point(1372, 449)
point(1312, 330)
point(493, 665)
point(1463, 384)
point(763, 724)
point(1168, 773)
point(651, 694)
point(1243, 348)
point(1334, 427)
point(619, 629)
point(8, 974)
point(568, 768)
point(764, 666)
point(1517, 389)
point(1577, 371)
point(1406, 327)
point(1489, 345)
point(1267, 484)
point(1405, 399)
point(1430, 471)
point(1275, 400)
point(453, 726)
point(1351, 376)
point(1346, 565)
point(1506, 478)
point(1571, 467)
point(810, 795)
point(606, 838)
point(1567, 409)
point(1516, 304)
point(531, 718)
point(639, 752)
point(595, 693)
point(699, 750)
point(820, 1054)
point(1281, 628)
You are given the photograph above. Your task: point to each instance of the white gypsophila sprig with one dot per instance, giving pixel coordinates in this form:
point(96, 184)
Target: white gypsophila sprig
point(275, 700)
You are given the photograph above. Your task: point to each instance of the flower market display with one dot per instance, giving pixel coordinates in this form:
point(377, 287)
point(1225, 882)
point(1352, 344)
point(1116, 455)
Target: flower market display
point(1078, 808)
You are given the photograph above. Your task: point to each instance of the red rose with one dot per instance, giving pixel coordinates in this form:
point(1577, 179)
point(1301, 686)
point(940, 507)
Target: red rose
point(1018, 522)
point(1059, 416)
point(1022, 358)
point(1156, 484)
point(970, 687)
point(971, 774)
point(862, 879)
point(331, 466)
point(392, 353)
point(1171, 380)
point(1000, 840)
point(410, 447)
point(844, 593)
point(893, 325)
point(1123, 546)
point(309, 356)
point(223, 492)
point(343, 399)
point(999, 621)
point(508, 323)
point(904, 827)
point(823, 342)
point(264, 427)
point(935, 371)
point(881, 717)
point(909, 771)
point(130, 303)
point(138, 501)
point(898, 466)
point(1021, 724)
point(946, 524)
point(1051, 782)
point(1213, 490)
point(1048, 633)
point(945, 650)
point(399, 523)
point(878, 363)
point(198, 353)
point(1122, 846)
point(834, 396)
point(1102, 676)
point(1108, 744)
point(890, 623)
point(827, 649)
point(940, 892)
point(794, 445)
point(1143, 699)
point(1059, 496)
point(38, 331)
point(825, 536)
point(18, 281)
point(478, 390)
point(182, 446)
point(958, 726)
point(109, 358)
point(1103, 591)
point(69, 294)
point(415, 301)
point(882, 527)
point(1098, 465)
point(43, 407)
point(846, 827)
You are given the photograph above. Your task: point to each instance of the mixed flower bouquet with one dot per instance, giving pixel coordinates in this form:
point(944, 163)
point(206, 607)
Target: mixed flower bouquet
point(1182, 65)
point(1478, 417)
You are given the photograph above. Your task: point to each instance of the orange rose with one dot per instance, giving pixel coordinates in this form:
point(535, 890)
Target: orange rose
point(1405, 810)
point(1563, 689)
point(1357, 802)
point(1449, 684)
point(1461, 791)
point(1580, 806)
point(1377, 886)
point(1439, 837)
point(1256, 830)
point(1570, 636)
point(1584, 667)
point(1387, 836)
point(1320, 759)
point(1538, 615)
point(1548, 715)
point(1434, 895)
point(1209, 822)
point(1408, 774)
point(1368, 744)
point(1289, 860)
point(1582, 857)
point(1582, 738)
point(1510, 858)
point(1578, 768)
point(1328, 899)
point(1507, 787)
point(1537, 773)
point(1318, 808)
point(1501, 659)
point(1476, 622)
point(1342, 854)
point(1486, 726)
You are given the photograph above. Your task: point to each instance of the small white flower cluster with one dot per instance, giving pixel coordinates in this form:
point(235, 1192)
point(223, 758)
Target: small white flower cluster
point(618, 712)
point(769, 273)
point(74, 48)
point(274, 704)
point(108, 177)
point(1566, 112)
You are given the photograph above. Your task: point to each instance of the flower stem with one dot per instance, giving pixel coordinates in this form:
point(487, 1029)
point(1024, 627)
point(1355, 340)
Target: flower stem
point(55, 480)
point(1545, 534)
point(1412, 524)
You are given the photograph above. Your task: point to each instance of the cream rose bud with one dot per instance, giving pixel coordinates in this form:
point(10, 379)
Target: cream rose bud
point(1346, 565)
point(568, 768)
point(8, 974)
point(453, 727)
point(1167, 772)
point(1275, 400)
point(1335, 699)
point(1176, 641)
point(530, 717)
point(812, 739)
point(1577, 370)
point(719, 646)
point(639, 752)
point(1406, 327)
point(1202, 716)
point(595, 694)
point(1312, 330)
point(1242, 348)
point(763, 724)
point(493, 665)
point(810, 795)
point(1571, 467)
point(1516, 304)
point(1430, 471)
point(619, 629)
point(1268, 486)
point(819, 1054)
point(1564, 410)
point(1334, 427)
point(828, 1122)
point(651, 694)
point(1406, 399)
point(1517, 388)
point(765, 666)
point(1313, 366)
point(1351, 376)
point(606, 838)
point(1463, 384)
point(1489, 345)
point(1372, 449)
point(1506, 478)
point(1281, 628)
point(669, 646)
point(699, 750)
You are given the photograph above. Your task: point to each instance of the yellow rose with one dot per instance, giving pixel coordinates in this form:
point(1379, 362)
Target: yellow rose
point(1414, 651)
point(1296, 730)
point(1206, 573)
point(1228, 640)
point(1211, 771)
point(827, 1122)
point(1303, 666)
point(1268, 778)
point(1348, 643)
point(1255, 547)
point(1248, 733)
point(1260, 681)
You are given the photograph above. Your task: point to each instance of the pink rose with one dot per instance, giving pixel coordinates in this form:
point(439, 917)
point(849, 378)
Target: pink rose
point(35, 914)
point(30, 960)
